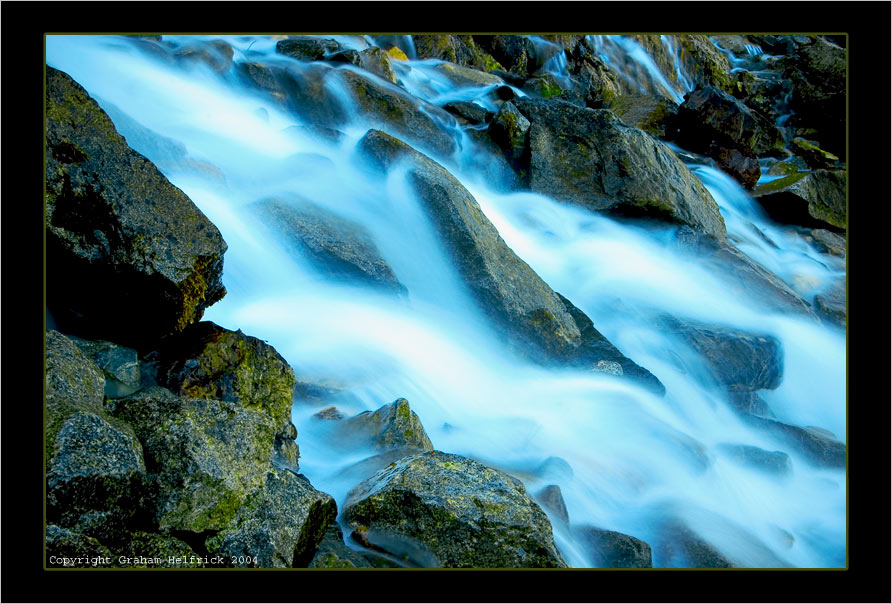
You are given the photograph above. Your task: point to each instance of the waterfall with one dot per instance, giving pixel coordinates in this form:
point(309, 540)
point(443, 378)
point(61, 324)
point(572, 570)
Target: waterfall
point(623, 458)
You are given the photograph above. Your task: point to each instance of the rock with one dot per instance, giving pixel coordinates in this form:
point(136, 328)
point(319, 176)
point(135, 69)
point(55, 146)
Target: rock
point(510, 129)
point(377, 61)
point(445, 510)
point(69, 549)
point(332, 552)
point(337, 247)
point(596, 82)
point(279, 526)
point(471, 112)
point(831, 304)
point(588, 157)
point(713, 122)
point(306, 48)
point(507, 289)
point(404, 115)
point(610, 549)
point(113, 218)
point(552, 500)
point(204, 456)
point(828, 242)
point(815, 157)
point(680, 547)
point(699, 58)
point(120, 365)
point(748, 402)
point(465, 76)
point(156, 550)
point(772, 462)
point(329, 413)
point(390, 427)
point(815, 200)
point(461, 50)
point(216, 54)
point(740, 274)
point(817, 446)
point(648, 113)
point(544, 86)
point(740, 361)
point(516, 54)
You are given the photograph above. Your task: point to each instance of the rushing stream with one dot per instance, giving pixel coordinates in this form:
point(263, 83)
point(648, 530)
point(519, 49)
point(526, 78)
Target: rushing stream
point(623, 458)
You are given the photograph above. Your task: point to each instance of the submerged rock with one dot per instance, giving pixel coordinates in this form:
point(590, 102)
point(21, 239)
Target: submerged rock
point(446, 510)
point(817, 446)
point(816, 199)
point(772, 462)
point(831, 304)
point(113, 220)
point(610, 549)
point(338, 247)
point(332, 552)
point(507, 289)
point(552, 500)
point(588, 157)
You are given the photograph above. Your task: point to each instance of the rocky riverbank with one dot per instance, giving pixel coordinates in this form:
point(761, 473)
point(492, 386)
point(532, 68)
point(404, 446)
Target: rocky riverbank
point(169, 441)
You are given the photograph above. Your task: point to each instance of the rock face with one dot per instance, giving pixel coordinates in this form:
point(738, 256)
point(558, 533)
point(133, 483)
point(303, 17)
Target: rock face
point(339, 248)
point(610, 549)
point(113, 218)
point(590, 158)
point(508, 290)
point(445, 510)
point(816, 199)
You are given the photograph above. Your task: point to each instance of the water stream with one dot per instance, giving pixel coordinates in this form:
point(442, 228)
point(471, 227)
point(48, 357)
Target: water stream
point(624, 459)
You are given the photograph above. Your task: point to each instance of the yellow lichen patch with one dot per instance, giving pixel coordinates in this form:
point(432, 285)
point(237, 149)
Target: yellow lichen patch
point(396, 53)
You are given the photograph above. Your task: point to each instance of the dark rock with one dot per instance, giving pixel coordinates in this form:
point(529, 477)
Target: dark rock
point(377, 61)
point(610, 549)
point(306, 48)
point(749, 402)
point(346, 56)
point(329, 413)
point(552, 500)
point(461, 50)
point(700, 59)
point(445, 510)
point(681, 547)
point(510, 130)
point(471, 112)
point(516, 54)
point(279, 526)
point(816, 199)
point(332, 552)
point(741, 164)
point(544, 86)
point(815, 157)
point(69, 549)
point(740, 361)
point(818, 447)
point(391, 427)
point(155, 550)
point(588, 157)
point(205, 456)
point(406, 116)
point(119, 364)
point(828, 242)
point(467, 77)
point(508, 290)
point(113, 218)
point(340, 248)
point(773, 462)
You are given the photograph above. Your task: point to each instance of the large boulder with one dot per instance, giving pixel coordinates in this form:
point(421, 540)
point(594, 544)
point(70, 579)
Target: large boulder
point(461, 50)
point(278, 526)
point(113, 218)
point(391, 109)
point(507, 289)
point(341, 249)
point(445, 510)
point(815, 199)
point(590, 158)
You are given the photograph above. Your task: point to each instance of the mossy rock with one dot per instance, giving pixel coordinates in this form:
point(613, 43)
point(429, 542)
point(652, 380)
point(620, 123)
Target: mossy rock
point(815, 199)
point(66, 548)
point(445, 510)
point(306, 48)
point(112, 217)
point(612, 549)
point(391, 427)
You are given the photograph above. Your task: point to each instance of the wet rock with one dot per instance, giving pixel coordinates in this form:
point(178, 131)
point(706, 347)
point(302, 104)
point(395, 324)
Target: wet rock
point(740, 361)
point(330, 414)
point(391, 427)
point(588, 157)
point(509, 129)
point(471, 112)
point(516, 54)
point(817, 446)
point(749, 402)
point(417, 121)
point(461, 50)
point(552, 500)
point(508, 290)
point(465, 76)
point(772, 462)
point(306, 48)
point(828, 242)
point(204, 456)
point(216, 54)
point(596, 83)
point(279, 526)
point(815, 157)
point(445, 510)
point(681, 547)
point(377, 61)
point(332, 552)
point(831, 304)
point(610, 549)
point(544, 86)
point(704, 64)
point(113, 218)
point(816, 199)
point(119, 364)
point(339, 248)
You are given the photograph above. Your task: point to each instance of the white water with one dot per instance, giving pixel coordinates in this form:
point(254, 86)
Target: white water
point(630, 459)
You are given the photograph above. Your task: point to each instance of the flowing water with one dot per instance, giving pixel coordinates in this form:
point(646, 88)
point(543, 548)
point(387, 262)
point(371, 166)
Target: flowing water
point(623, 458)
